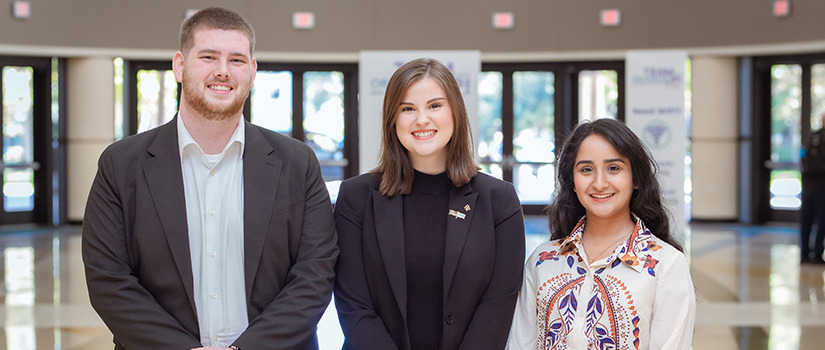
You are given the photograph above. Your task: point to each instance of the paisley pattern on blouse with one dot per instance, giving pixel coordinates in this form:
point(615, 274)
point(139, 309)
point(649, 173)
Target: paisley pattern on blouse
point(639, 297)
point(610, 309)
point(603, 319)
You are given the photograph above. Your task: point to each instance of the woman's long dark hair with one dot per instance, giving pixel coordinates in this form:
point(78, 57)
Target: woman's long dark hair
point(646, 202)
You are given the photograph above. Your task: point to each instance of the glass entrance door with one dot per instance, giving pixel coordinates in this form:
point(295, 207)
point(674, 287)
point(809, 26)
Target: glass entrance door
point(26, 135)
point(152, 95)
point(321, 115)
point(789, 101)
point(526, 110)
point(314, 103)
point(517, 132)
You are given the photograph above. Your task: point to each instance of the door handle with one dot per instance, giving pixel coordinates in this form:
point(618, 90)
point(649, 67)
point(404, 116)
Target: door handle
point(33, 165)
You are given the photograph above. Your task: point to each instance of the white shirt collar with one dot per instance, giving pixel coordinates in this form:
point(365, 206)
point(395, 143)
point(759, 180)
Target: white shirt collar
point(185, 138)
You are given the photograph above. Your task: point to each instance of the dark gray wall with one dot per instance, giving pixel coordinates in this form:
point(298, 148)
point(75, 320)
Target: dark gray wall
point(347, 26)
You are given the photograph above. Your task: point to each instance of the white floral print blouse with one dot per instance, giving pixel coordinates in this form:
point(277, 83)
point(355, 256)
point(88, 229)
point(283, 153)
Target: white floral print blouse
point(639, 297)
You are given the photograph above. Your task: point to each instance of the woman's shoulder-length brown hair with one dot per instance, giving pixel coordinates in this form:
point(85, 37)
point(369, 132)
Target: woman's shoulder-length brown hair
point(395, 169)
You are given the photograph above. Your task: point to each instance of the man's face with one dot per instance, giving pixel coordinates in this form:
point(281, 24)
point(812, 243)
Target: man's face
point(216, 73)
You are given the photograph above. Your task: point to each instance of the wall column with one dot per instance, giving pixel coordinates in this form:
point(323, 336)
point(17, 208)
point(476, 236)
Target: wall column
point(89, 125)
point(714, 139)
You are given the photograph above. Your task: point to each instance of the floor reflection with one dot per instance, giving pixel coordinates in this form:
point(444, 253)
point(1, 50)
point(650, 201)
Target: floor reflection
point(752, 291)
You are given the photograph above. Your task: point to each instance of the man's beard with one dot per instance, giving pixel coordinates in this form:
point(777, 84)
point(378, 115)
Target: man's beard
point(211, 111)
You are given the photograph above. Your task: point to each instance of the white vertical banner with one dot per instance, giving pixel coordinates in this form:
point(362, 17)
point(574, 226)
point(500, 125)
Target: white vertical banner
point(374, 71)
point(655, 111)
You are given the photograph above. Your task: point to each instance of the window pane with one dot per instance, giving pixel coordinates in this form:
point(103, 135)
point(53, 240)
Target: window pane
point(489, 115)
point(786, 93)
point(598, 94)
point(534, 136)
point(18, 149)
point(817, 96)
point(324, 123)
point(157, 98)
point(271, 101)
point(785, 113)
point(535, 182)
point(533, 113)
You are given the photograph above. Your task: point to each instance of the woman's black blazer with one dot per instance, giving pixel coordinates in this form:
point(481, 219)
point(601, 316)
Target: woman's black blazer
point(483, 264)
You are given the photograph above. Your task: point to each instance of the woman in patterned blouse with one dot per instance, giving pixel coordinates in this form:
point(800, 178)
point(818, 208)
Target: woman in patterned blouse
point(611, 276)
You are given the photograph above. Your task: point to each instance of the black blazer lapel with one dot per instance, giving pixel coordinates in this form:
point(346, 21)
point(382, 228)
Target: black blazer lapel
point(462, 202)
point(261, 174)
point(389, 229)
point(164, 178)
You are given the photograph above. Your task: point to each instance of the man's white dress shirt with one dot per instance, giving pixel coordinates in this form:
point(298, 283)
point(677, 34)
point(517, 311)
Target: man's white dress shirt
point(213, 185)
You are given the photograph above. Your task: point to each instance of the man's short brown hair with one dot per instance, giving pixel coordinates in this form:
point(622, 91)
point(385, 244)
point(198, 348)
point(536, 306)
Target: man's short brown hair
point(214, 18)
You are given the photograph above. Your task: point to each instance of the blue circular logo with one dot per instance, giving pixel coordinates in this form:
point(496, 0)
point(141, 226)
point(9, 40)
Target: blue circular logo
point(657, 134)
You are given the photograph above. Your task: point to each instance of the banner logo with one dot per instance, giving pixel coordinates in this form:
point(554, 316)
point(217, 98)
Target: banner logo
point(657, 134)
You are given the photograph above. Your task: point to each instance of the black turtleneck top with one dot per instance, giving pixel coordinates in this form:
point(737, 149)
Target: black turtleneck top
point(425, 230)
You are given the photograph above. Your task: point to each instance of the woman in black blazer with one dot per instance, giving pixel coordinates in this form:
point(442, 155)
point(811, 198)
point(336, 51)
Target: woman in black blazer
point(431, 251)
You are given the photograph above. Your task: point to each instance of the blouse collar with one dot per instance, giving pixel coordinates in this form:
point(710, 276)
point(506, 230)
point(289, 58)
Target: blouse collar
point(634, 252)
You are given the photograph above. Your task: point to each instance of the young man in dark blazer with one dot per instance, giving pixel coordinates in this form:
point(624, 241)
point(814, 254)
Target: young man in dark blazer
point(209, 232)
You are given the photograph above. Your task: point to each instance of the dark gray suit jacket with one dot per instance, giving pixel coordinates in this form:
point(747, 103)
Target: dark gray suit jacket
point(135, 243)
point(482, 272)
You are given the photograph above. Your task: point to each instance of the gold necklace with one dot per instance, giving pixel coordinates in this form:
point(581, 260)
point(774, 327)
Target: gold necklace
point(612, 245)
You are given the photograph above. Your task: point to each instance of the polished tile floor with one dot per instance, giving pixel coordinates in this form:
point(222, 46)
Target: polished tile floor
point(753, 293)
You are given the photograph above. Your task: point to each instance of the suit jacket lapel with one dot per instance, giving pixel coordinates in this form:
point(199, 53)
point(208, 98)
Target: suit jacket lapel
point(462, 201)
point(164, 178)
point(261, 173)
point(389, 227)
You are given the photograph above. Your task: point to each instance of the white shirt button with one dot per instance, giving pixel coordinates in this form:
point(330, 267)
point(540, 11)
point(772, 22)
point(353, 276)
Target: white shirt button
point(212, 212)
point(215, 337)
point(213, 253)
point(214, 296)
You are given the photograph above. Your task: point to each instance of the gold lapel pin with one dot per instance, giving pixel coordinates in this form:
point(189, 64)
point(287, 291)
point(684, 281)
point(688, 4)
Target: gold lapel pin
point(466, 207)
point(457, 214)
